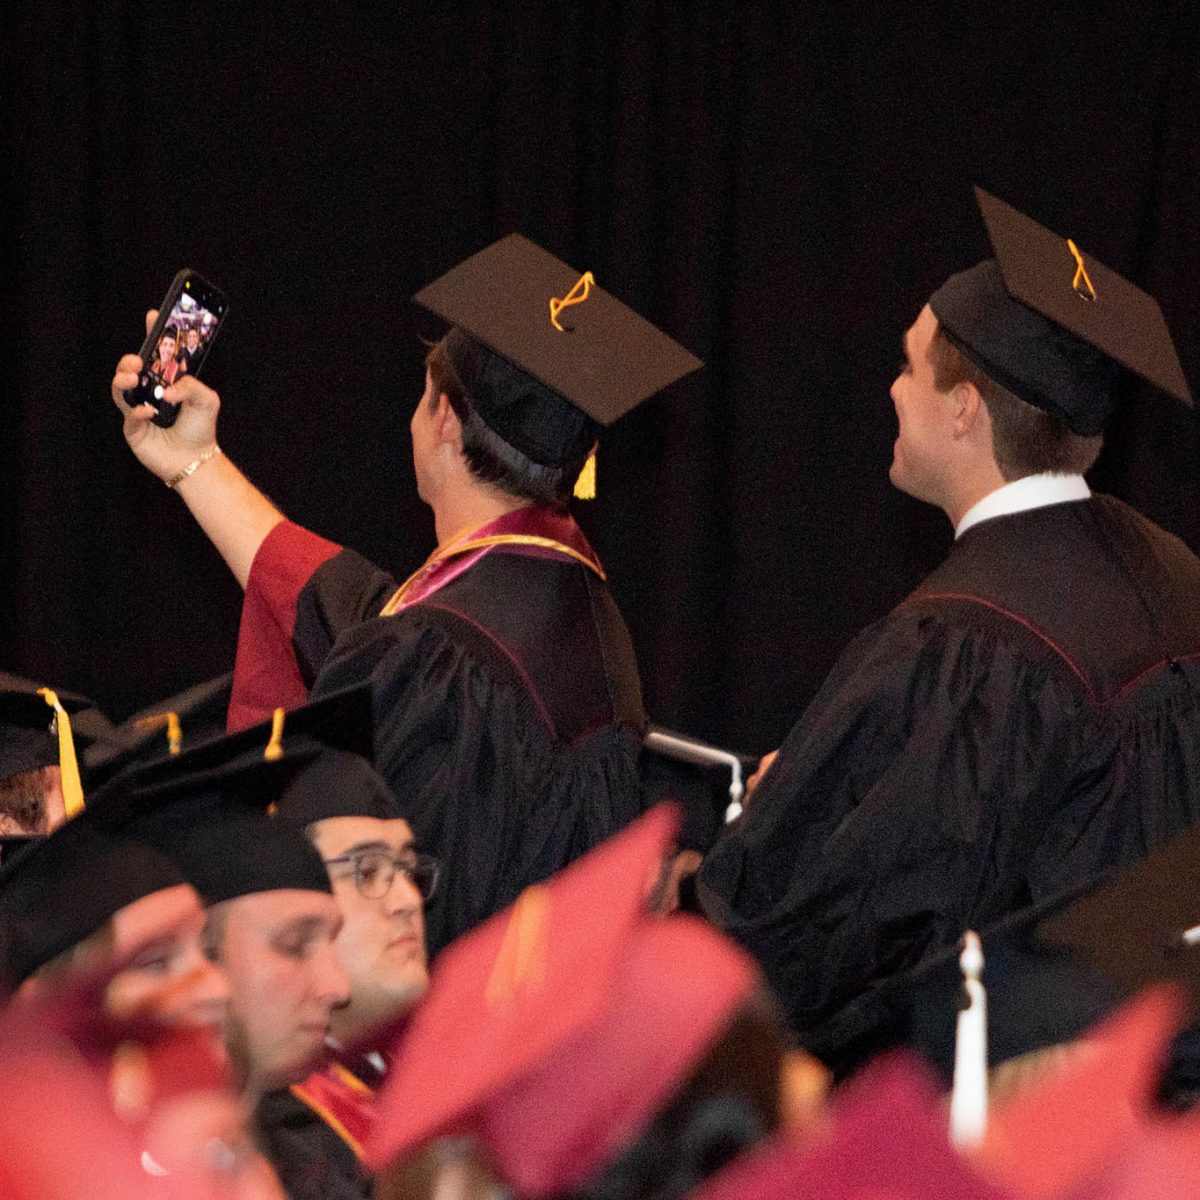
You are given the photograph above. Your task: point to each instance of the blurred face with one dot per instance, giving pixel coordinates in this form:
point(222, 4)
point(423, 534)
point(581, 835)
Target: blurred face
point(168, 977)
point(56, 810)
point(919, 455)
point(193, 338)
point(166, 348)
point(285, 979)
point(382, 940)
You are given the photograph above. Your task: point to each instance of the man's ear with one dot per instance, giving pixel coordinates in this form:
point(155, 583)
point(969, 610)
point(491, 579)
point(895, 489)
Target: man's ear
point(968, 413)
point(446, 424)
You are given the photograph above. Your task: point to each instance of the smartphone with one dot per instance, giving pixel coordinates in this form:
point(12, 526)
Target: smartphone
point(188, 319)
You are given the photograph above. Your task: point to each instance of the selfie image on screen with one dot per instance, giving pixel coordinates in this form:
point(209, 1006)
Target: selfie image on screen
point(184, 341)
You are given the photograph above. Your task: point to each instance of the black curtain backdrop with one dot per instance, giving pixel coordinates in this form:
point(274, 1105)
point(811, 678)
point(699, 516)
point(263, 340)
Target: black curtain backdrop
point(780, 186)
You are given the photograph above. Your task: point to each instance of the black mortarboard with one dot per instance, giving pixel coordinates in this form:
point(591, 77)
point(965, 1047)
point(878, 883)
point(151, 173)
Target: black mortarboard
point(228, 851)
point(28, 731)
point(335, 783)
point(62, 888)
point(1048, 322)
point(339, 721)
point(179, 722)
point(207, 807)
point(1055, 969)
point(212, 822)
point(542, 352)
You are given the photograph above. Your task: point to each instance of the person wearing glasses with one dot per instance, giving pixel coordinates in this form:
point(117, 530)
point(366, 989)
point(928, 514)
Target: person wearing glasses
point(314, 1131)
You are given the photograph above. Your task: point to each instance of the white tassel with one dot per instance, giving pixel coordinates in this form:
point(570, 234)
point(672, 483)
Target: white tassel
point(969, 1100)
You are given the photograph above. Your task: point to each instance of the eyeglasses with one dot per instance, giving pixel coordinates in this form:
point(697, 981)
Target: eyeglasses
point(375, 871)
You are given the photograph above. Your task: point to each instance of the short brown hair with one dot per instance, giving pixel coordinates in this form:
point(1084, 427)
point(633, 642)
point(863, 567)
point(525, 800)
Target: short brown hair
point(23, 801)
point(491, 459)
point(1025, 440)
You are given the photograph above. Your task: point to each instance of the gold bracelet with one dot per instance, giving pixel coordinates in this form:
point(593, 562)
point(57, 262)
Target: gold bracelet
point(193, 466)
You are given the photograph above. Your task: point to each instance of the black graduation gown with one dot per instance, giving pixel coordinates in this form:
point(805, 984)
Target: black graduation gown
point(313, 1161)
point(508, 713)
point(1027, 718)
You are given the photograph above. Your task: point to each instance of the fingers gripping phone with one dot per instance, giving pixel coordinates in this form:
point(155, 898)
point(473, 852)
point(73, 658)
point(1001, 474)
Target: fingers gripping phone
point(177, 345)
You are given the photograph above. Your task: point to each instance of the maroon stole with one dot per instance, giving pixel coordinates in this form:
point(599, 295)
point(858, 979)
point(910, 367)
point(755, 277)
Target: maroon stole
point(343, 1102)
point(533, 531)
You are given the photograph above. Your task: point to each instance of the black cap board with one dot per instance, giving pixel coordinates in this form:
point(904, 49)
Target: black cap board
point(564, 334)
point(63, 887)
point(213, 823)
point(1056, 968)
point(1048, 321)
point(28, 738)
point(198, 716)
point(11, 844)
point(207, 807)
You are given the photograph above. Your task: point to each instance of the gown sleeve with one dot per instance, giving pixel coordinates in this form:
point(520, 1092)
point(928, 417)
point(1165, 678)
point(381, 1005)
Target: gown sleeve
point(905, 806)
point(302, 592)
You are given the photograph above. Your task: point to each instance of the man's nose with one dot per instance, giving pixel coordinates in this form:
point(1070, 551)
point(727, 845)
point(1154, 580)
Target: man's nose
point(332, 983)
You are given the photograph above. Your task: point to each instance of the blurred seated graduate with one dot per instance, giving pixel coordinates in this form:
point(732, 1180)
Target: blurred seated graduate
point(310, 770)
point(101, 937)
point(576, 1046)
point(508, 710)
point(1028, 716)
point(42, 733)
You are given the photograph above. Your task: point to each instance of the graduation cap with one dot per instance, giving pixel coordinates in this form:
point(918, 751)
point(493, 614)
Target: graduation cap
point(1062, 1132)
point(1048, 322)
point(207, 808)
point(304, 765)
point(545, 354)
point(63, 887)
point(167, 727)
point(1055, 969)
point(42, 727)
point(340, 721)
point(556, 1030)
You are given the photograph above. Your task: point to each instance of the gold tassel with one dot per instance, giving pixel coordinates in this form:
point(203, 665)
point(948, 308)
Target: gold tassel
point(72, 787)
point(585, 485)
point(274, 748)
point(171, 722)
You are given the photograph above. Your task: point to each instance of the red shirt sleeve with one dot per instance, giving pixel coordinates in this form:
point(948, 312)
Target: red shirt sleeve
point(266, 674)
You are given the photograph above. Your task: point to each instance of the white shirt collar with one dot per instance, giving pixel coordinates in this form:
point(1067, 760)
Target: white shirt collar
point(1033, 491)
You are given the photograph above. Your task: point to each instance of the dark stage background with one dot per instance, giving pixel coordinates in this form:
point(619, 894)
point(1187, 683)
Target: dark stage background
point(779, 186)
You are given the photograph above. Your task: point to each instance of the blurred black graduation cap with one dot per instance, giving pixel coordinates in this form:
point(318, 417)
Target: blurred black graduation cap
point(28, 730)
point(207, 807)
point(1049, 322)
point(1055, 969)
point(545, 355)
point(61, 888)
point(340, 721)
point(168, 726)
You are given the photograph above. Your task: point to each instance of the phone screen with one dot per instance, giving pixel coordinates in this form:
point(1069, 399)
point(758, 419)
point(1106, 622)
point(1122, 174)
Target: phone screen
point(184, 341)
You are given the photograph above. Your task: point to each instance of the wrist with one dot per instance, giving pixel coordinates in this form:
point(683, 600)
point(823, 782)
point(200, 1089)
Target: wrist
point(204, 456)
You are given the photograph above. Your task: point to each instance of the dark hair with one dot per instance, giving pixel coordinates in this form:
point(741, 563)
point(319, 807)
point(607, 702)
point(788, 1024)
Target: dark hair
point(728, 1103)
point(1025, 440)
point(489, 458)
point(23, 800)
